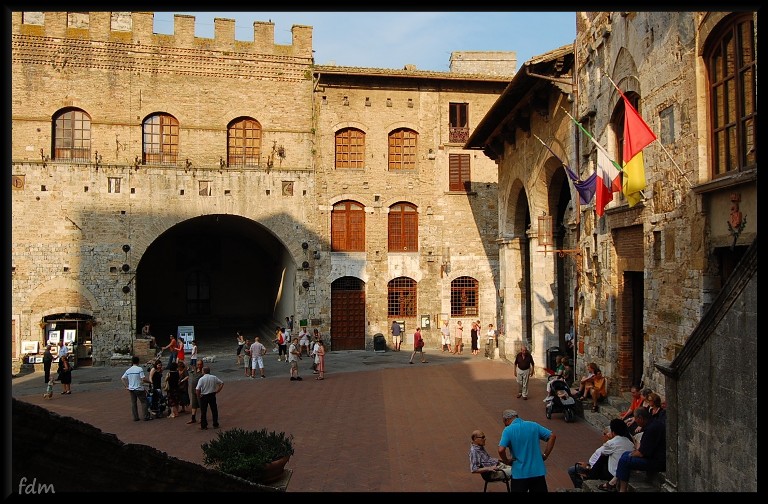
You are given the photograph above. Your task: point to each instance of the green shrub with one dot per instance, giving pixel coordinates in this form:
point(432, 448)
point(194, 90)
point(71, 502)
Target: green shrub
point(244, 453)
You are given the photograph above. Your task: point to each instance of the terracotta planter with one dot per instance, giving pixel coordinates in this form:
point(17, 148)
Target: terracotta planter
point(274, 470)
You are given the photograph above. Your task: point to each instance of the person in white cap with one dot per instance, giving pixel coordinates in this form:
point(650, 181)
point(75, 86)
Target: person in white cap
point(522, 439)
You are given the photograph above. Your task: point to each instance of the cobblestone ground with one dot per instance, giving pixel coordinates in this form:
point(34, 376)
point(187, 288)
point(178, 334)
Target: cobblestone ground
point(375, 424)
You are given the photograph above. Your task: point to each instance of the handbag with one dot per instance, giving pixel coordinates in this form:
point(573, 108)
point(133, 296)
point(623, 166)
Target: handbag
point(420, 344)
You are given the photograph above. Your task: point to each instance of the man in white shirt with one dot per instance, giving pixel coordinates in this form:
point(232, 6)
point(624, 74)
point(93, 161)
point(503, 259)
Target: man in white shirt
point(207, 387)
point(258, 350)
point(134, 380)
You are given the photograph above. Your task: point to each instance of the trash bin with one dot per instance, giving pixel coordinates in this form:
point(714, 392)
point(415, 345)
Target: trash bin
point(379, 343)
point(552, 353)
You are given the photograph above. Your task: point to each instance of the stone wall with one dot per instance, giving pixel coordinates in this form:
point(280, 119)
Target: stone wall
point(42, 438)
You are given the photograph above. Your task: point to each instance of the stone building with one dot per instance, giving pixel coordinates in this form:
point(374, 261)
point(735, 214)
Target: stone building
point(662, 296)
point(224, 184)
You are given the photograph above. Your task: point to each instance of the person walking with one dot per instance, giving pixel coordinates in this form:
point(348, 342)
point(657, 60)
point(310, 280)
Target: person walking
point(194, 401)
point(523, 365)
point(184, 399)
point(207, 387)
point(47, 361)
point(258, 351)
point(418, 346)
point(173, 347)
point(134, 379)
point(397, 336)
point(522, 439)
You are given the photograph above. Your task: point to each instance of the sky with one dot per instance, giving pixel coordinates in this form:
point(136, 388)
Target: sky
point(395, 39)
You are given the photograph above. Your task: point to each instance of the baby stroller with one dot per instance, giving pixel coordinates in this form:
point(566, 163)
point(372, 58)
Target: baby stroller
point(157, 403)
point(559, 399)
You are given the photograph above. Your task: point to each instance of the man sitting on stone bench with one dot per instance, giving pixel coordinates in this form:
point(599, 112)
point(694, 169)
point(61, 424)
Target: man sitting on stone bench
point(650, 455)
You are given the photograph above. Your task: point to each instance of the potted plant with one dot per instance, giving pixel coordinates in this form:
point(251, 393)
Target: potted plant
point(255, 455)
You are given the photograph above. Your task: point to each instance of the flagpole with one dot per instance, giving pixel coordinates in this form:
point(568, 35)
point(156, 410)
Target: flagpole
point(657, 140)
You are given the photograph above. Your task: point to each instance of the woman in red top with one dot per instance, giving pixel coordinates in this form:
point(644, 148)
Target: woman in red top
point(418, 345)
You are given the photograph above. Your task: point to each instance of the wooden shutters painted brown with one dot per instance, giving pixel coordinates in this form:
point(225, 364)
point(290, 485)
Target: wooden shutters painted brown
point(402, 149)
point(458, 173)
point(348, 227)
point(348, 314)
point(403, 225)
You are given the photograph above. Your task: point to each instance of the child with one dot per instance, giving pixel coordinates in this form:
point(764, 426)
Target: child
point(247, 357)
point(49, 390)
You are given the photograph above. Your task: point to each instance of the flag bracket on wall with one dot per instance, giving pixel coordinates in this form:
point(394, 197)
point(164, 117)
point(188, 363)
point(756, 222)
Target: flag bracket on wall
point(545, 238)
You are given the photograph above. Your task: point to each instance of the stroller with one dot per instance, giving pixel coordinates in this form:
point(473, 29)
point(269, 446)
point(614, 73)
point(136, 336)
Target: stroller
point(157, 403)
point(559, 399)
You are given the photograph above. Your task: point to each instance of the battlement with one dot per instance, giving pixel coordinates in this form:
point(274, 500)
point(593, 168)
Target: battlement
point(138, 28)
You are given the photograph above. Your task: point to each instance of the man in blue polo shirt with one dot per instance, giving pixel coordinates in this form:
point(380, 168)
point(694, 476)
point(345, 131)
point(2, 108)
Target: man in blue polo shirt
point(522, 439)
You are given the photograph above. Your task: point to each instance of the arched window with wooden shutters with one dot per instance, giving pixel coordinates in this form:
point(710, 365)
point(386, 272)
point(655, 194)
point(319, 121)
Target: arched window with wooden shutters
point(403, 228)
point(350, 148)
point(244, 143)
point(402, 149)
point(348, 227)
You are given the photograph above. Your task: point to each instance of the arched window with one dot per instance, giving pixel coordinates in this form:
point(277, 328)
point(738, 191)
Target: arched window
point(617, 120)
point(160, 139)
point(348, 227)
point(402, 149)
point(243, 143)
point(463, 297)
point(731, 62)
point(403, 225)
point(350, 148)
point(401, 297)
point(72, 135)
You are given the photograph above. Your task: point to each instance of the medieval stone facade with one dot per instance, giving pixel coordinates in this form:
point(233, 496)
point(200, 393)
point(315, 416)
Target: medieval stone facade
point(644, 275)
point(143, 212)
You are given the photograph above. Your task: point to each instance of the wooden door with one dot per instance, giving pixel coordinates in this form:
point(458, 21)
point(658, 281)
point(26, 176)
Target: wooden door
point(347, 314)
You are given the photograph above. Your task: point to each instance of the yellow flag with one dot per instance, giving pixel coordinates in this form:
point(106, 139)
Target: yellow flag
point(634, 179)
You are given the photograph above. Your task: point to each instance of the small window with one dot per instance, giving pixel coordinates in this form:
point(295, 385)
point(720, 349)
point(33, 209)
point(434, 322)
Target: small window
point(458, 123)
point(204, 188)
point(244, 143)
point(113, 185)
point(72, 136)
point(403, 235)
point(350, 148)
point(401, 297)
point(731, 64)
point(160, 139)
point(348, 227)
point(402, 149)
point(458, 173)
point(464, 297)
point(667, 117)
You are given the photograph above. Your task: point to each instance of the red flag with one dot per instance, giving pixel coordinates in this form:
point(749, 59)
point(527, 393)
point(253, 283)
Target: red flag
point(637, 134)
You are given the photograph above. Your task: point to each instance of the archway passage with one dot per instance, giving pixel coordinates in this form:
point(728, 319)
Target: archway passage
point(348, 314)
point(218, 273)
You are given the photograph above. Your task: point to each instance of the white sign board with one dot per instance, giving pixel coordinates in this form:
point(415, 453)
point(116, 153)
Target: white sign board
point(186, 334)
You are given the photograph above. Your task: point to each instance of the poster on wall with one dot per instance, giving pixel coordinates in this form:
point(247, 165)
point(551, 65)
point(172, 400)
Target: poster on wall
point(69, 335)
point(53, 337)
point(29, 347)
